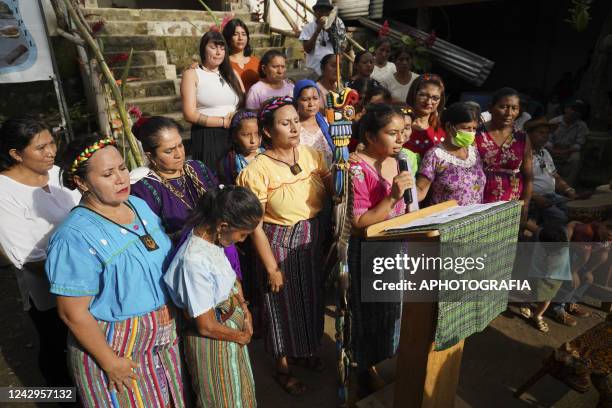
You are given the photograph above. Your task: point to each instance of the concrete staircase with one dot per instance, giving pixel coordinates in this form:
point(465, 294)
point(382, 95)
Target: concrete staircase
point(165, 43)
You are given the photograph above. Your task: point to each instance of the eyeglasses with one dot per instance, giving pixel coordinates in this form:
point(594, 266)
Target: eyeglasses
point(424, 96)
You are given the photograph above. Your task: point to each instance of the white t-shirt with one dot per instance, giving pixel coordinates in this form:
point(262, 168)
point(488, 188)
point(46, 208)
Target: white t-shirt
point(380, 73)
point(313, 59)
point(29, 216)
point(214, 95)
point(398, 91)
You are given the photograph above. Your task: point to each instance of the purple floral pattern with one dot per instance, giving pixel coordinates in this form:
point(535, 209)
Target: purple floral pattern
point(453, 178)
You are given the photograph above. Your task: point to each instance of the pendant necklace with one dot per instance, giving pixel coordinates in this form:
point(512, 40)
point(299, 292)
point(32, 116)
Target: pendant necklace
point(147, 239)
point(214, 72)
point(295, 167)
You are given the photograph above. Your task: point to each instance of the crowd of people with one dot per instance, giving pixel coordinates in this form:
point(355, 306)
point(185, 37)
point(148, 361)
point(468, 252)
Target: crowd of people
point(145, 287)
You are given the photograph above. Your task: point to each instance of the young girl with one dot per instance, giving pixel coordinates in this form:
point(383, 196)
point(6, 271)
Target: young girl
point(201, 281)
point(363, 68)
point(400, 80)
point(272, 70)
point(246, 144)
point(378, 194)
point(414, 159)
point(382, 66)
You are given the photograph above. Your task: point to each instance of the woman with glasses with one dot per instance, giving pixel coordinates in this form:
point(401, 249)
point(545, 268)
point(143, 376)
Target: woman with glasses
point(426, 95)
point(506, 152)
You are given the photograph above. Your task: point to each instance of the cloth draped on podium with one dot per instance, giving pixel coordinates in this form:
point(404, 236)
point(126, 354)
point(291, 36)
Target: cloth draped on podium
point(494, 232)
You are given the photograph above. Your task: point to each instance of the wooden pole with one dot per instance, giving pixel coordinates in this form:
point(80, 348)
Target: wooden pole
point(284, 12)
point(110, 79)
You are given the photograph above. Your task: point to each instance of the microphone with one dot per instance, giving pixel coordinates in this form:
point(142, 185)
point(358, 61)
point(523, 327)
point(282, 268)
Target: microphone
point(402, 161)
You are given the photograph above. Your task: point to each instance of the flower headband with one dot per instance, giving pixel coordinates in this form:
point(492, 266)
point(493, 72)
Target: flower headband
point(89, 151)
point(242, 115)
point(273, 104)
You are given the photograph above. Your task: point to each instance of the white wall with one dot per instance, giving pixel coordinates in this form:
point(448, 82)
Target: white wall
point(277, 20)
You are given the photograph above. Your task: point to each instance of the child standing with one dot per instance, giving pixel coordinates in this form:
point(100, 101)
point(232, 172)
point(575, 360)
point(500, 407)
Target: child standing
point(246, 144)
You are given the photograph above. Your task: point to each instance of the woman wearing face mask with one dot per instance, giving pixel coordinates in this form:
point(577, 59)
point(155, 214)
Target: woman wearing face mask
point(105, 264)
point(505, 152)
point(246, 65)
point(293, 183)
point(363, 68)
point(315, 129)
point(452, 170)
point(272, 70)
point(382, 66)
point(210, 94)
point(426, 96)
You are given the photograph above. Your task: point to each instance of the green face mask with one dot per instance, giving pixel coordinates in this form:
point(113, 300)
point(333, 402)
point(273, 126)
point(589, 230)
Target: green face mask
point(463, 138)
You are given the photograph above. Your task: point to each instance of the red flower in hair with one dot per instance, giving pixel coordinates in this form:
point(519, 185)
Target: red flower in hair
point(226, 19)
point(135, 111)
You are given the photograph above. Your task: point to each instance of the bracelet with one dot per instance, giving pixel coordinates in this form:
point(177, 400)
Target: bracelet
point(569, 189)
point(223, 121)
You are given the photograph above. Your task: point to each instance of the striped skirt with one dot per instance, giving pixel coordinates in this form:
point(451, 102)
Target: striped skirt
point(293, 317)
point(149, 340)
point(220, 370)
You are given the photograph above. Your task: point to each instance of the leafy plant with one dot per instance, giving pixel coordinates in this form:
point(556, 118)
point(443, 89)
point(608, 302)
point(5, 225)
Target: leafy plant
point(580, 14)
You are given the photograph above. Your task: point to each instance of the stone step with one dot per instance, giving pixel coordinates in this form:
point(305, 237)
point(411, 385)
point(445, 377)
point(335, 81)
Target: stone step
point(148, 72)
point(129, 14)
point(139, 58)
point(155, 42)
point(146, 89)
point(172, 28)
point(156, 105)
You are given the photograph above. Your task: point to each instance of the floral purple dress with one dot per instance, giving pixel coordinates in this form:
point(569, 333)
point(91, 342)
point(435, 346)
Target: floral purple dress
point(502, 165)
point(453, 178)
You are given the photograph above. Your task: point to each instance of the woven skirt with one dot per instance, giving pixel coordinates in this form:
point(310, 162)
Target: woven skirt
point(149, 340)
point(293, 317)
point(375, 326)
point(220, 370)
point(209, 145)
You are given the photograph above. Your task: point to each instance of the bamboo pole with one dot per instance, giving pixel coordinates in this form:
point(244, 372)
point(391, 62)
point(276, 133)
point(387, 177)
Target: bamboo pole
point(284, 12)
point(110, 79)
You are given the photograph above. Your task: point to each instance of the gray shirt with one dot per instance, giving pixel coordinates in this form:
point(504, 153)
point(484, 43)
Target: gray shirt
point(573, 135)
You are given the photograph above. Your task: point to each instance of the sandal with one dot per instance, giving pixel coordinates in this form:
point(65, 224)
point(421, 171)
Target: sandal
point(540, 324)
point(525, 311)
point(292, 385)
point(312, 363)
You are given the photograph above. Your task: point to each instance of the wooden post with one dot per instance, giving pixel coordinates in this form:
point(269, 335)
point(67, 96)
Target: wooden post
point(110, 79)
point(285, 13)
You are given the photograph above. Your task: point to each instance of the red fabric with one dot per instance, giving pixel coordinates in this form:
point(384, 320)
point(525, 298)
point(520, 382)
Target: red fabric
point(422, 140)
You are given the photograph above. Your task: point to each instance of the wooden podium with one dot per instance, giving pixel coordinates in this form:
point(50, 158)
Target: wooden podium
point(425, 378)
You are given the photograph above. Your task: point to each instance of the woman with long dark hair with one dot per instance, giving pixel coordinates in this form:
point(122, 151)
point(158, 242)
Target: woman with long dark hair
point(426, 95)
point(210, 94)
point(246, 65)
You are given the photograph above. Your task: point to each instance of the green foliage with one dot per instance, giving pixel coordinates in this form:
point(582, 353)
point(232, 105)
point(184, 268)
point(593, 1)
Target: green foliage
point(210, 12)
point(126, 71)
point(579, 14)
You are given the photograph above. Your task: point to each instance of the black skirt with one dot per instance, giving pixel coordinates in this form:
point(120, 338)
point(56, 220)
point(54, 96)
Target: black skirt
point(209, 144)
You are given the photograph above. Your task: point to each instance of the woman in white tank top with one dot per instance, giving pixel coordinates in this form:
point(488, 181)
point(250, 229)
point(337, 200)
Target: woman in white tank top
point(211, 93)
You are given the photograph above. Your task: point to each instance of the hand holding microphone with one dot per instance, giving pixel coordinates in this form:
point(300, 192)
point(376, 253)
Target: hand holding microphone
point(404, 178)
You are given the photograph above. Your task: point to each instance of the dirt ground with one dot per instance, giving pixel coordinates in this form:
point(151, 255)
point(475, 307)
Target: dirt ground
point(495, 362)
